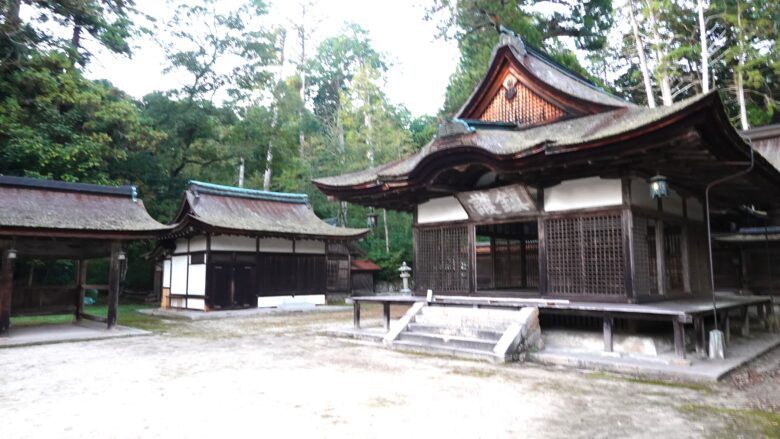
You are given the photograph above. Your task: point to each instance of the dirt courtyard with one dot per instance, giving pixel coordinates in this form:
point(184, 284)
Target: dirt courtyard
point(278, 376)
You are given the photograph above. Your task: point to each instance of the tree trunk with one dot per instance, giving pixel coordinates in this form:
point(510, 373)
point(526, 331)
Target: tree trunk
point(387, 231)
point(12, 20)
point(640, 48)
point(705, 54)
point(739, 80)
point(302, 72)
point(666, 87)
point(269, 156)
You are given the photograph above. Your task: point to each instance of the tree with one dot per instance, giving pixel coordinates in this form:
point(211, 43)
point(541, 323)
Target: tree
point(54, 123)
point(29, 26)
point(220, 50)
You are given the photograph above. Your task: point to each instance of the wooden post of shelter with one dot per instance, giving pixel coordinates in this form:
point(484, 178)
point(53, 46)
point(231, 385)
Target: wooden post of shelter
point(81, 280)
point(6, 290)
point(113, 283)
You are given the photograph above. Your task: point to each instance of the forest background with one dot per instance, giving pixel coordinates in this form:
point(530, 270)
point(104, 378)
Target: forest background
point(240, 103)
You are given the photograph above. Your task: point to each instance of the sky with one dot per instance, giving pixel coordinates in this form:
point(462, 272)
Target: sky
point(420, 63)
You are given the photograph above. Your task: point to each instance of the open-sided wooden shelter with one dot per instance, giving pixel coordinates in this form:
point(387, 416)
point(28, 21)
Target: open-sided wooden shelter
point(235, 248)
point(540, 187)
point(45, 219)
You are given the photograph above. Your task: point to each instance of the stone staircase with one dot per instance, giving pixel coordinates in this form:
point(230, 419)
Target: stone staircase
point(476, 333)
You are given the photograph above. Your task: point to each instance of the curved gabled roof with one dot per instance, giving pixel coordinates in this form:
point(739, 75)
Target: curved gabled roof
point(229, 209)
point(510, 142)
point(63, 209)
point(690, 142)
point(542, 75)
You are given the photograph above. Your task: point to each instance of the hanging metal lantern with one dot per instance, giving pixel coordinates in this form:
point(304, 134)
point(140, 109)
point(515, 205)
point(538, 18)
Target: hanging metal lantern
point(659, 188)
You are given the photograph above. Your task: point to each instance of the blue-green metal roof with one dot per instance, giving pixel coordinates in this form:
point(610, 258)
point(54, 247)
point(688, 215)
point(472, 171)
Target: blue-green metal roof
point(256, 194)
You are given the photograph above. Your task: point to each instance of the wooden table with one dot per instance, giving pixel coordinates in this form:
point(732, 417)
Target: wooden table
point(386, 301)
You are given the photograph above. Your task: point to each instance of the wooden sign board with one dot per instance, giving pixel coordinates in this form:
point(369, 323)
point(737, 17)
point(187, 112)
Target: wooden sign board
point(498, 203)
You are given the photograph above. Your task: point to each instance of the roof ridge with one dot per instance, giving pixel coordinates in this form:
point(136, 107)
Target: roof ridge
point(233, 191)
point(67, 186)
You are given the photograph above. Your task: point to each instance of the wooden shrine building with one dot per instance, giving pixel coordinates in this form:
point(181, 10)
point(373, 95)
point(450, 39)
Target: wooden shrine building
point(747, 247)
point(540, 187)
point(54, 220)
point(232, 247)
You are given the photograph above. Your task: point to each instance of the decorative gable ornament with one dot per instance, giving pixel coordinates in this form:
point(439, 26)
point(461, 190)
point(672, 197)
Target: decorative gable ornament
point(511, 39)
point(510, 90)
point(453, 127)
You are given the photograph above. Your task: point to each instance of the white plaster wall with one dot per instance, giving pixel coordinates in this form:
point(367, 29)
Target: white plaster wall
point(673, 204)
point(275, 301)
point(440, 210)
point(166, 282)
point(640, 194)
point(276, 245)
point(583, 193)
point(198, 244)
point(695, 209)
point(197, 280)
point(179, 274)
point(310, 246)
point(181, 245)
point(177, 302)
point(196, 304)
point(233, 243)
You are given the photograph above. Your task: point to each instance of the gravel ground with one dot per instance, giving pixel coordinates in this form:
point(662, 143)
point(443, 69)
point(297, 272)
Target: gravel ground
point(278, 376)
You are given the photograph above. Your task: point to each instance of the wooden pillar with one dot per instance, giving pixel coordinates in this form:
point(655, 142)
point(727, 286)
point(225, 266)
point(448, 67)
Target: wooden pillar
point(627, 229)
point(81, 280)
point(386, 316)
point(608, 323)
point(6, 291)
point(660, 257)
point(113, 283)
point(745, 321)
point(472, 240)
point(356, 314)
point(679, 338)
point(541, 244)
point(699, 335)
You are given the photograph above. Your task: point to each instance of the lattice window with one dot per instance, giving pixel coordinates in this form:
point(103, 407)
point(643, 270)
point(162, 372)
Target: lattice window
point(585, 255)
point(698, 259)
point(644, 284)
point(525, 108)
point(673, 257)
point(442, 259)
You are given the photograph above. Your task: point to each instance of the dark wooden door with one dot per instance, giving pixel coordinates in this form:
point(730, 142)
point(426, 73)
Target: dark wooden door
point(221, 285)
point(244, 284)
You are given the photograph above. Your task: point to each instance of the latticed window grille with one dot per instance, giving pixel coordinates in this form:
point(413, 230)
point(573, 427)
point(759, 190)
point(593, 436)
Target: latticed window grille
point(442, 259)
point(673, 257)
point(525, 108)
point(585, 255)
point(698, 259)
point(644, 284)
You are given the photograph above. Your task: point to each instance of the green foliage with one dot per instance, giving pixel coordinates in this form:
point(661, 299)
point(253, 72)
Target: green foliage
point(33, 26)
point(221, 49)
point(54, 123)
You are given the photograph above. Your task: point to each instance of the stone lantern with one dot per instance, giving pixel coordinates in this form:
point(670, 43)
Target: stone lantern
point(405, 275)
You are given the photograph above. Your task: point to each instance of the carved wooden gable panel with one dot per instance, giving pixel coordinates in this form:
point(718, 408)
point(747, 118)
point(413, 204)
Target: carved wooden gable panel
point(514, 102)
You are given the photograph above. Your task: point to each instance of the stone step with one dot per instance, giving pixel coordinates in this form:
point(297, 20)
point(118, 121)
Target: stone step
point(474, 354)
point(473, 321)
point(485, 334)
point(429, 339)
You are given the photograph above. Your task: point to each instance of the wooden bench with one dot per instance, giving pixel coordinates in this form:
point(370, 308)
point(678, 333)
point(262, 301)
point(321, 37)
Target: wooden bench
point(385, 301)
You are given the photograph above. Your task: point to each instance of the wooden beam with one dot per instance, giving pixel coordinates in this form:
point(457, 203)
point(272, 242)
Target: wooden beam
point(113, 282)
point(6, 291)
